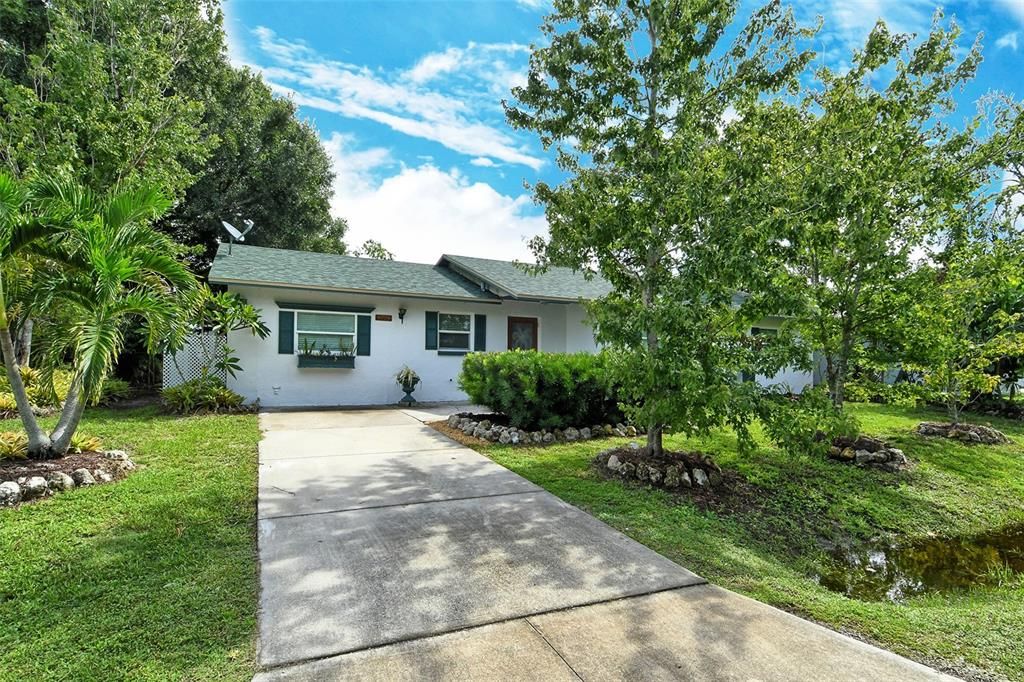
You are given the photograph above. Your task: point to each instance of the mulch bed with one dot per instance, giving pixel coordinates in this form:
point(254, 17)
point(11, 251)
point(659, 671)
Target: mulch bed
point(16, 468)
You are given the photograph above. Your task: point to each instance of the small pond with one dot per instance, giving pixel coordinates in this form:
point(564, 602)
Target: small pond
point(894, 572)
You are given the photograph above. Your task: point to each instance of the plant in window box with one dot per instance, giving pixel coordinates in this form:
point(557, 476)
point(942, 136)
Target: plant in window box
point(407, 379)
point(313, 354)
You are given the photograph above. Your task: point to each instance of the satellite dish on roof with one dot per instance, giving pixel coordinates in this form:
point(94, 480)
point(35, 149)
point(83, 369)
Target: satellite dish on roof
point(235, 233)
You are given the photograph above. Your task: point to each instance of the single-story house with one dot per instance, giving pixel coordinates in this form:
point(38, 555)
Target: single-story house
point(341, 326)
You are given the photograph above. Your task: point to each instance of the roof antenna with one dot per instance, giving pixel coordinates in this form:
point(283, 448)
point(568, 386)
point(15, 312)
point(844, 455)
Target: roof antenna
point(234, 233)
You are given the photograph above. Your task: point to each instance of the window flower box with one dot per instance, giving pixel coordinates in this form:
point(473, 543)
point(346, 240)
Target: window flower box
point(328, 361)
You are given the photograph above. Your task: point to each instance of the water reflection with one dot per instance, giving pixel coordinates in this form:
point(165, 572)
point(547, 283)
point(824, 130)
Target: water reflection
point(894, 572)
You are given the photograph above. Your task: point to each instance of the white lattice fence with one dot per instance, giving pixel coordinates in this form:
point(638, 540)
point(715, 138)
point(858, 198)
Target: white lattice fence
point(188, 363)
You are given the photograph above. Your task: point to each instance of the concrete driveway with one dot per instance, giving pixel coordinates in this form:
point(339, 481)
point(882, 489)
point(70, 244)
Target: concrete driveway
point(388, 551)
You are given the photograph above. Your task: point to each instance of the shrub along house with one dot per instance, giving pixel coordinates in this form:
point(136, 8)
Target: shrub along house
point(341, 327)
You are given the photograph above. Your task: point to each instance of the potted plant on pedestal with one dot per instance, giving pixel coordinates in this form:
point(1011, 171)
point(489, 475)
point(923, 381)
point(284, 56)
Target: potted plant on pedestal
point(407, 379)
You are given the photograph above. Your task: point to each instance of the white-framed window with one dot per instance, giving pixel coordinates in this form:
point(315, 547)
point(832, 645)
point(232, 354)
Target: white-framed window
point(454, 331)
point(320, 333)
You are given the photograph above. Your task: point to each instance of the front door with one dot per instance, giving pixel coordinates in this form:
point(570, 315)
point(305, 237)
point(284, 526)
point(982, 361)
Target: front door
point(522, 333)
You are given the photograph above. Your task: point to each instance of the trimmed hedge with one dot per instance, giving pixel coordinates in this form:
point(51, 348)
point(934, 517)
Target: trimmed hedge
point(538, 390)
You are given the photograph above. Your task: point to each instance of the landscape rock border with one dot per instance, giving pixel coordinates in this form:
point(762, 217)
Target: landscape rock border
point(674, 470)
point(865, 451)
point(486, 428)
point(31, 487)
point(971, 434)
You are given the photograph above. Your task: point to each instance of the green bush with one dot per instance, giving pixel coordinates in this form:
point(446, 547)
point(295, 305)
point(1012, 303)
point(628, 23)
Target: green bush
point(115, 390)
point(537, 390)
point(8, 406)
point(859, 390)
point(39, 392)
point(867, 390)
point(52, 394)
point(83, 443)
point(42, 394)
point(13, 445)
point(205, 394)
point(805, 423)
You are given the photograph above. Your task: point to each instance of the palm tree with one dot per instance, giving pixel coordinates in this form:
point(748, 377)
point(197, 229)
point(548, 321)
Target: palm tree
point(24, 225)
point(115, 269)
point(119, 271)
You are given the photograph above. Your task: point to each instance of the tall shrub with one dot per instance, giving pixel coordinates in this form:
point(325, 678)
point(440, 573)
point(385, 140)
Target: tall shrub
point(542, 390)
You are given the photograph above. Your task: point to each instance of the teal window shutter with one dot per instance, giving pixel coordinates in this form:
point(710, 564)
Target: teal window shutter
point(480, 332)
point(431, 330)
point(286, 332)
point(363, 335)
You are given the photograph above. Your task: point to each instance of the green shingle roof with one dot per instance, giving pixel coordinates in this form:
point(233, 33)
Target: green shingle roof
point(563, 284)
point(297, 269)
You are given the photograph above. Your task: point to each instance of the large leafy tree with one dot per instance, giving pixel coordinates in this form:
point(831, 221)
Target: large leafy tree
point(969, 318)
point(268, 166)
point(92, 87)
point(875, 178)
point(637, 97)
point(131, 92)
point(115, 271)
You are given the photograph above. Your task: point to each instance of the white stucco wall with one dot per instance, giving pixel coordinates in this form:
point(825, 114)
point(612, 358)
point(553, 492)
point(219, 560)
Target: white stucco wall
point(578, 334)
point(277, 381)
point(793, 379)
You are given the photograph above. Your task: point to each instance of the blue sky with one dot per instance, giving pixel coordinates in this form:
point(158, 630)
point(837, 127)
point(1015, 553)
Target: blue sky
point(407, 99)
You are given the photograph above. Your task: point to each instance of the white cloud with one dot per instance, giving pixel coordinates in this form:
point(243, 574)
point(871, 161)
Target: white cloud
point(423, 212)
point(532, 4)
point(233, 41)
point(436, 64)
point(466, 119)
point(1013, 7)
point(483, 162)
point(848, 22)
point(1008, 41)
point(900, 15)
point(353, 170)
point(481, 62)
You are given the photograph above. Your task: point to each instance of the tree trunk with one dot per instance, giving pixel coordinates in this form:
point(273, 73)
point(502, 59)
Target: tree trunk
point(654, 440)
point(24, 345)
point(839, 385)
point(38, 443)
point(952, 405)
point(70, 417)
point(839, 367)
point(655, 445)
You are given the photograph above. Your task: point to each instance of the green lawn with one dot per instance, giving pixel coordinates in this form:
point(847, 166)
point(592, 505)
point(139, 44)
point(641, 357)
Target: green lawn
point(150, 578)
point(770, 547)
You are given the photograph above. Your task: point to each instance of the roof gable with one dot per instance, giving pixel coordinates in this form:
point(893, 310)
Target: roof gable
point(554, 284)
point(264, 266)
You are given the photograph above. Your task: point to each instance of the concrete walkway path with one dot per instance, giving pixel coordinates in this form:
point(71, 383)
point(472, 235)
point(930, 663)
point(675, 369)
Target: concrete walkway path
point(388, 551)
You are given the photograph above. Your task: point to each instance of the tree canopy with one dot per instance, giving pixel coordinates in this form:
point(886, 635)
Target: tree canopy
point(267, 166)
point(872, 178)
point(637, 97)
point(137, 92)
point(92, 88)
